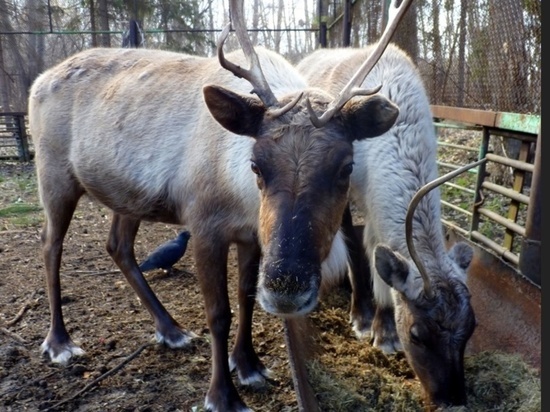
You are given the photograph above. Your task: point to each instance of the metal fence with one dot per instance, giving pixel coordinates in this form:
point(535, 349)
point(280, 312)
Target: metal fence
point(498, 204)
point(482, 54)
point(14, 141)
point(472, 54)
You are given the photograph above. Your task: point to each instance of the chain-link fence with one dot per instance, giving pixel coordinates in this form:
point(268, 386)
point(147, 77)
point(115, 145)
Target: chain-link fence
point(473, 54)
point(481, 54)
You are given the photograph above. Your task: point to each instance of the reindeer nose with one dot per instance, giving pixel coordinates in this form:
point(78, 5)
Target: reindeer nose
point(287, 304)
point(287, 294)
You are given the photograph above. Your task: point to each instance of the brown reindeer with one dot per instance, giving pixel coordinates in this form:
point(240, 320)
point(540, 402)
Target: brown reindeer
point(165, 137)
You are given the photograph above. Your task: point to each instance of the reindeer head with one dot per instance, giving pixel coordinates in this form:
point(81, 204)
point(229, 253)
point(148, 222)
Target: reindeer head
point(433, 313)
point(433, 328)
point(302, 164)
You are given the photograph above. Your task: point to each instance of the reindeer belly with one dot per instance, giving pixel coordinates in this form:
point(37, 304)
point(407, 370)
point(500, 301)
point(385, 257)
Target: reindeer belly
point(134, 204)
point(128, 195)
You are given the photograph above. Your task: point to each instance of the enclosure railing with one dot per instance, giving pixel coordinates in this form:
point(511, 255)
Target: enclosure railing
point(493, 209)
point(14, 142)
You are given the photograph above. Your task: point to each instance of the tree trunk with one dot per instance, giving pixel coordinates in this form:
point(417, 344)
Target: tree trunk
point(438, 58)
point(461, 54)
point(279, 24)
point(103, 14)
point(406, 35)
point(255, 21)
point(93, 26)
point(4, 83)
point(4, 78)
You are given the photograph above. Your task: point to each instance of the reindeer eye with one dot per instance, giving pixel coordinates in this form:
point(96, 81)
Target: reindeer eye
point(346, 171)
point(255, 168)
point(415, 334)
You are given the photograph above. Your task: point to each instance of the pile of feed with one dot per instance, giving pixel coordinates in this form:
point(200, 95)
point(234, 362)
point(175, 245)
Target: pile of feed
point(349, 375)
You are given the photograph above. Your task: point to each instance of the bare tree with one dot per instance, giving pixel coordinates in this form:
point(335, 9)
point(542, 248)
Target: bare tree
point(436, 50)
point(35, 49)
point(93, 25)
point(255, 20)
point(308, 46)
point(406, 35)
point(462, 54)
point(4, 75)
point(278, 25)
point(103, 14)
point(506, 52)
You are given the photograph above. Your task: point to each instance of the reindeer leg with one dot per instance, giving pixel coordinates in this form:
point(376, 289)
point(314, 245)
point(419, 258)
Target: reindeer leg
point(211, 260)
point(250, 369)
point(384, 331)
point(121, 248)
point(59, 208)
point(362, 304)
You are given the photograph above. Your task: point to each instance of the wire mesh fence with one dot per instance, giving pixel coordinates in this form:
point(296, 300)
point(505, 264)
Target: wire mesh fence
point(472, 54)
point(482, 54)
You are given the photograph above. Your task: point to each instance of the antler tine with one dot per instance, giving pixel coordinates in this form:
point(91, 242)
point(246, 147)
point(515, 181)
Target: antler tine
point(226, 64)
point(395, 14)
point(423, 191)
point(255, 74)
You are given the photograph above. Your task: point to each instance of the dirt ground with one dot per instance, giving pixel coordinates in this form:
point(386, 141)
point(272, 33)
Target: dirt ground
point(104, 315)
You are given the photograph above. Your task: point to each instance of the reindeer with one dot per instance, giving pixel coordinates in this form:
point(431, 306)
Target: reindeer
point(422, 302)
point(165, 137)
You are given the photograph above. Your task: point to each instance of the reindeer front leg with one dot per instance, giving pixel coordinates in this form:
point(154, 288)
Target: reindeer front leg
point(250, 369)
point(121, 248)
point(362, 299)
point(211, 254)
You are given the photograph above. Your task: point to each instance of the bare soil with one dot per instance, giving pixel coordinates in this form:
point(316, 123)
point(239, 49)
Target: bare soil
point(123, 369)
point(104, 315)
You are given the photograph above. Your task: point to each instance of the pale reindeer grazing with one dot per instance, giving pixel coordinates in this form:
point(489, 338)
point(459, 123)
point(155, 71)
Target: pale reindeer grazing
point(141, 132)
point(426, 313)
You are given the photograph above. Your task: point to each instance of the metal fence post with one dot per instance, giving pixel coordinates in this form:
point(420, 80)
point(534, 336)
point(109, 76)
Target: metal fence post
point(530, 256)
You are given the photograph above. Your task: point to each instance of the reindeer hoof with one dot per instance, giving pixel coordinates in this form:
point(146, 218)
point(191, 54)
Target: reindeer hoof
point(236, 405)
point(250, 369)
point(175, 339)
point(61, 353)
point(256, 379)
point(361, 328)
point(388, 346)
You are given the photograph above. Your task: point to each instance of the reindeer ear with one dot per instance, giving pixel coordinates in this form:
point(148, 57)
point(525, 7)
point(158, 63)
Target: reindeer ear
point(391, 267)
point(369, 116)
point(462, 253)
point(237, 113)
point(394, 270)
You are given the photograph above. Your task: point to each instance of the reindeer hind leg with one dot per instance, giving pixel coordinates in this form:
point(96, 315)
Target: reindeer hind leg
point(59, 195)
point(121, 248)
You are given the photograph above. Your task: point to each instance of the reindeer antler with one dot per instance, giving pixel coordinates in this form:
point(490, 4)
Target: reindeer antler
point(410, 213)
point(352, 88)
point(255, 74)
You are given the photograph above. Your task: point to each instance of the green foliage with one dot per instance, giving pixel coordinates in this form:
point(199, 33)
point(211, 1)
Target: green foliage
point(20, 215)
point(19, 203)
point(19, 209)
